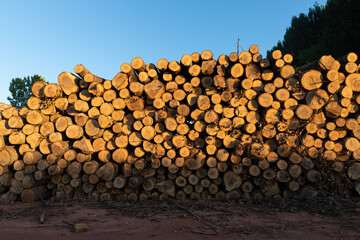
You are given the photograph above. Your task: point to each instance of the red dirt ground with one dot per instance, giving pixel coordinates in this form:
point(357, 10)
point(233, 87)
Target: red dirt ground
point(178, 220)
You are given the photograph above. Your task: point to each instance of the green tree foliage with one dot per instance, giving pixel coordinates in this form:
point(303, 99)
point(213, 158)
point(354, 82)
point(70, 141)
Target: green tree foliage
point(20, 89)
point(331, 29)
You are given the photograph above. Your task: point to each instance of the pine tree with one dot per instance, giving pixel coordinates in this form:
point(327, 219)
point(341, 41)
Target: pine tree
point(20, 89)
point(330, 29)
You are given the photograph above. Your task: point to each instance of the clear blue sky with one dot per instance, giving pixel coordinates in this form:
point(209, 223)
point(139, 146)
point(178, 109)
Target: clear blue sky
point(48, 37)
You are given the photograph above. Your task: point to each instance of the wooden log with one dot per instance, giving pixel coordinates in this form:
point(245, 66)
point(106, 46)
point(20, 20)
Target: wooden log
point(288, 58)
point(97, 89)
point(90, 167)
point(162, 65)
point(267, 75)
point(304, 112)
point(237, 70)
point(232, 181)
point(287, 71)
point(276, 54)
point(37, 89)
point(9, 112)
point(208, 67)
point(223, 60)
point(34, 103)
point(351, 67)
point(81, 157)
point(52, 90)
point(245, 57)
point(29, 129)
point(104, 155)
point(253, 49)
point(107, 172)
point(74, 132)
point(62, 123)
point(312, 80)
point(252, 72)
point(81, 70)
point(167, 187)
point(33, 194)
point(120, 155)
point(203, 102)
point(265, 100)
point(138, 64)
point(47, 128)
point(144, 77)
point(352, 81)
point(32, 157)
point(5, 158)
point(84, 145)
point(333, 109)
point(206, 55)
point(119, 182)
point(194, 70)
point(126, 68)
point(154, 89)
point(68, 83)
point(105, 121)
point(35, 117)
point(17, 138)
point(352, 144)
point(61, 104)
point(174, 67)
point(353, 171)
point(92, 128)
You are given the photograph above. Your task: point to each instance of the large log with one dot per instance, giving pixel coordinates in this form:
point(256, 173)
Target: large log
point(68, 83)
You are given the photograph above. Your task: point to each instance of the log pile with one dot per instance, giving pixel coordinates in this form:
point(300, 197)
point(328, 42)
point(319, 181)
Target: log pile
point(239, 126)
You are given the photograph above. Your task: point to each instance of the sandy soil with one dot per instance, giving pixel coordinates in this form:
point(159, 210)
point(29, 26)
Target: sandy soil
point(179, 220)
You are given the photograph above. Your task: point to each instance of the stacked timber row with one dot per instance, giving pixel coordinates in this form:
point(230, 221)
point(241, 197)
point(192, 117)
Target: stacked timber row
point(237, 127)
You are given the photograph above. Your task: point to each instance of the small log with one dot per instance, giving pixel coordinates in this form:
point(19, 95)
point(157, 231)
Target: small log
point(92, 128)
point(90, 167)
point(245, 57)
point(37, 89)
point(52, 90)
point(32, 157)
point(265, 100)
point(304, 112)
point(120, 155)
point(119, 182)
point(174, 67)
point(237, 70)
point(107, 172)
point(287, 72)
point(162, 65)
point(167, 187)
point(74, 132)
point(205, 55)
point(35, 117)
point(138, 64)
point(84, 145)
point(353, 171)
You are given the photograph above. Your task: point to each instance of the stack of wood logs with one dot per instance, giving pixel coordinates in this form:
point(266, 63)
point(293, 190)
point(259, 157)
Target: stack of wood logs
point(241, 126)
